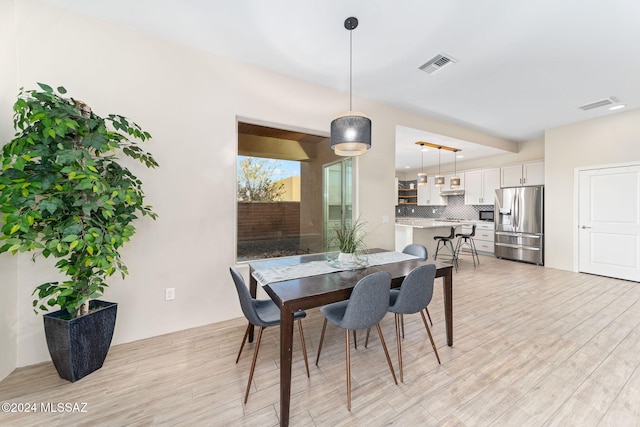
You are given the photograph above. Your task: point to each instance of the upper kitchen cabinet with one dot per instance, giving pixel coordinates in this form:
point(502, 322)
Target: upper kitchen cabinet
point(525, 174)
point(429, 194)
point(480, 186)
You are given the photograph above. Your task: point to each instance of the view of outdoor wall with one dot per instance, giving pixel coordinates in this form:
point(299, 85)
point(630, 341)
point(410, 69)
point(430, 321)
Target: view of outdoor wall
point(279, 192)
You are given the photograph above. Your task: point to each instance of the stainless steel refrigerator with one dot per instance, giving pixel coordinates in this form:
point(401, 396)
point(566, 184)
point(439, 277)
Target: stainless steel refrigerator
point(519, 227)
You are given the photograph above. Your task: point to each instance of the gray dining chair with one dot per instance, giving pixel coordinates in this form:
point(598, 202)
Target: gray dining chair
point(262, 313)
point(422, 253)
point(368, 304)
point(414, 295)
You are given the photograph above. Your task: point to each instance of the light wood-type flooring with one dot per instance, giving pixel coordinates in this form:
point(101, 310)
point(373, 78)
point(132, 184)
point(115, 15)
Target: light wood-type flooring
point(533, 346)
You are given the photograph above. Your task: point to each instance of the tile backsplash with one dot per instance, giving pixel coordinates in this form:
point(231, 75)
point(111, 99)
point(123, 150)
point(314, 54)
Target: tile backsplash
point(454, 209)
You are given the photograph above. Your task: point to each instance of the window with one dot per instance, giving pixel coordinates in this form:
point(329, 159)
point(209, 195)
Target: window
point(280, 199)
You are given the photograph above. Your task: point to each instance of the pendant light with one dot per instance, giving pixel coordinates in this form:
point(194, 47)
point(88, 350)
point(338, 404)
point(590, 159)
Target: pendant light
point(455, 179)
point(422, 177)
point(351, 131)
point(439, 177)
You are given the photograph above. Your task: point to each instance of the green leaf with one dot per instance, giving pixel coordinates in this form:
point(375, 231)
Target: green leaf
point(45, 87)
point(62, 90)
point(49, 205)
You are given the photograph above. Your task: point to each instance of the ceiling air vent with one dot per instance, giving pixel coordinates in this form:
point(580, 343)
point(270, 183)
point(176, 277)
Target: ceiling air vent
point(599, 103)
point(437, 63)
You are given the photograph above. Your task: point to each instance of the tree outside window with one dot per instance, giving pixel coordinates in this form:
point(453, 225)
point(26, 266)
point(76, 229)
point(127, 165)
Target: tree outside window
point(255, 180)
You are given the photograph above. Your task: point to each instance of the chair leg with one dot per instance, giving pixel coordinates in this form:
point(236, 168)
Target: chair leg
point(304, 347)
point(475, 251)
point(244, 340)
point(454, 258)
point(433, 344)
point(428, 315)
point(386, 353)
point(435, 257)
point(348, 370)
point(324, 327)
point(459, 246)
point(399, 344)
point(355, 340)
point(253, 364)
point(366, 341)
point(402, 324)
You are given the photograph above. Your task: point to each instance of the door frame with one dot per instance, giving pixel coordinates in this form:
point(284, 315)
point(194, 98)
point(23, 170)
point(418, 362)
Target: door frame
point(343, 183)
point(576, 205)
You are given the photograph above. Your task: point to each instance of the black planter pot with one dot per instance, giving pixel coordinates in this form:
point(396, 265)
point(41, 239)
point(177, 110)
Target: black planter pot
point(79, 346)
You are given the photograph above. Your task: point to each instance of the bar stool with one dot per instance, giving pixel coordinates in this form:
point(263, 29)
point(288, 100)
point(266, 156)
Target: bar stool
point(444, 240)
point(467, 239)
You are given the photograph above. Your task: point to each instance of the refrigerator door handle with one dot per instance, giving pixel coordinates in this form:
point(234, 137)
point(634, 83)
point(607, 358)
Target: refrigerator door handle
point(504, 233)
point(508, 245)
point(518, 197)
point(514, 212)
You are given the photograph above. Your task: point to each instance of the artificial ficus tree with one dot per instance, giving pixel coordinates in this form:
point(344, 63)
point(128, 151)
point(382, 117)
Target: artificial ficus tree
point(64, 194)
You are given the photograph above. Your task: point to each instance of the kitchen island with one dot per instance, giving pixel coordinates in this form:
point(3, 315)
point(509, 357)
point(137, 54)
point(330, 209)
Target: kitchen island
point(422, 231)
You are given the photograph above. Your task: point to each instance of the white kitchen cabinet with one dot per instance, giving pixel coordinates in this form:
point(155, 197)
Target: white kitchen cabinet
point(480, 186)
point(483, 238)
point(525, 174)
point(429, 194)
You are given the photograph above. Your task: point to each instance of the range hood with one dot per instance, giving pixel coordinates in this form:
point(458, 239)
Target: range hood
point(452, 192)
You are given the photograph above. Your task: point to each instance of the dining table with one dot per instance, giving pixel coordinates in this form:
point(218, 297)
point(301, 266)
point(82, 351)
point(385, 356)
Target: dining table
point(309, 291)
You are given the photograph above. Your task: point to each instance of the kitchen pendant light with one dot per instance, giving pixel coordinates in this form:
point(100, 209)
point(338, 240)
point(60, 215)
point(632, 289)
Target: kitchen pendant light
point(351, 131)
point(455, 179)
point(422, 177)
point(439, 177)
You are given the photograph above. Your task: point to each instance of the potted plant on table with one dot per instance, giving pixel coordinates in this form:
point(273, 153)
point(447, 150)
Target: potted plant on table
point(350, 239)
point(64, 194)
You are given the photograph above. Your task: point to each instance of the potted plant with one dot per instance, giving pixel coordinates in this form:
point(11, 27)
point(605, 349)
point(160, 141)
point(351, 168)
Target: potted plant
point(64, 194)
point(350, 239)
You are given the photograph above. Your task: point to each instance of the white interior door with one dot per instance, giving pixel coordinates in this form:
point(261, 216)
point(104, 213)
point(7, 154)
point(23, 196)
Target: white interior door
point(609, 222)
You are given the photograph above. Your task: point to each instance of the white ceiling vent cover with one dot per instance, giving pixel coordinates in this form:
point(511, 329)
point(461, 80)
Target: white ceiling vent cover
point(437, 63)
point(599, 103)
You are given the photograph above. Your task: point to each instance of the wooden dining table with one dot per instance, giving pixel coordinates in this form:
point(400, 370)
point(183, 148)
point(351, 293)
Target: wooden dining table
point(315, 291)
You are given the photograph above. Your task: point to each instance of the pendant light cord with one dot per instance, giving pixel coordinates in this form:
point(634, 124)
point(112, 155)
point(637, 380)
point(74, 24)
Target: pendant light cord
point(350, 68)
point(455, 164)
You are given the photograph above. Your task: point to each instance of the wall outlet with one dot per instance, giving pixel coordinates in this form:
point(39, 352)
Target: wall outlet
point(169, 294)
point(385, 219)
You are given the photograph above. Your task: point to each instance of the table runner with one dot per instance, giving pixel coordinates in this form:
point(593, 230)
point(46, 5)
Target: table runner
point(315, 268)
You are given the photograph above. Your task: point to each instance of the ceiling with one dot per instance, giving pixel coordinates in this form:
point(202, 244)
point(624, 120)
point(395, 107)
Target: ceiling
point(522, 66)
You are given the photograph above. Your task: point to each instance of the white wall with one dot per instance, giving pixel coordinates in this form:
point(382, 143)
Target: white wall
point(8, 265)
point(189, 101)
point(608, 140)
